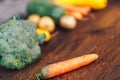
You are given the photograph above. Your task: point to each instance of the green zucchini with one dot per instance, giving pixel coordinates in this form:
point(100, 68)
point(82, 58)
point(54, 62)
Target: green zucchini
point(45, 8)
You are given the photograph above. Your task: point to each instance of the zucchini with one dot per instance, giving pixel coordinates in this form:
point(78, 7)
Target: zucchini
point(45, 8)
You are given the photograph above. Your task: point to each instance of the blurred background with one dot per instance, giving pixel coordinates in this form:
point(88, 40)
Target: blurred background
point(10, 8)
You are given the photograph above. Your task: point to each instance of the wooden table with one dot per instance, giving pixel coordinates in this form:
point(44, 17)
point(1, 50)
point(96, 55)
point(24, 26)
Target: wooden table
point(98, 33)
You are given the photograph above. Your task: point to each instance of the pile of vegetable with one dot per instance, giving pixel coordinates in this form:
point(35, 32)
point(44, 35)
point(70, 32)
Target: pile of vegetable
point(46, 14)
point(19, 44)
point(66, 13)
point(45, 8)
point(50, 14)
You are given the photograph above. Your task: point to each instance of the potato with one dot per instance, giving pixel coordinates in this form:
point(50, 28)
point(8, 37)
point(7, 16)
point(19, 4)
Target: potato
point(47, 24)
point(34, 18)
point(68, 22)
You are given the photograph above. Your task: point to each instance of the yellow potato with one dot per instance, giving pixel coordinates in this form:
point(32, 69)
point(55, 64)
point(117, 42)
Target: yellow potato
point(34, 18)
point(68, 22)
point(47, 24)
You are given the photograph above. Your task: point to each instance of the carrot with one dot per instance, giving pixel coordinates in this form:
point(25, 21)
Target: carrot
point(75, 14)
point(56, 69)
point(84, 10)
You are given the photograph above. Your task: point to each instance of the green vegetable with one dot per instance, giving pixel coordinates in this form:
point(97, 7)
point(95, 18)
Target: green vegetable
point(45, 8)
point(18, 44)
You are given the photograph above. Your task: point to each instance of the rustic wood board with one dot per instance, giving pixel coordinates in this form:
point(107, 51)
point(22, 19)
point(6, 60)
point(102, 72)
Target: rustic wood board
point(99, 33)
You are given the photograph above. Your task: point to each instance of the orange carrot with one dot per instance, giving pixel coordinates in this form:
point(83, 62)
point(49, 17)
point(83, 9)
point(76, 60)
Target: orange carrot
point(75, 14)
point(84, 10)
point(56, 69)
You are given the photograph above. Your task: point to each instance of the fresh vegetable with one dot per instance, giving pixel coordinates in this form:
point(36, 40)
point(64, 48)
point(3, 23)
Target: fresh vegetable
point(45, 8)
point(47, 24)
point(46, 33)
point(95, 4)
point(68, 22)
point(34, 18)
point(18, 44)
point(84, 10)
point(75, 14)
point(56, 69)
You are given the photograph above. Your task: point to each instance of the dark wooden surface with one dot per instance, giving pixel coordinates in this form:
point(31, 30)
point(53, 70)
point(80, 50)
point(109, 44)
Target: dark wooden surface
point(99, 33)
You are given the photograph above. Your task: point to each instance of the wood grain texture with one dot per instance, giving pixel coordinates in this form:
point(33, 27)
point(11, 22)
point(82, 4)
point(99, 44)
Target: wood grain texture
point(98, 33)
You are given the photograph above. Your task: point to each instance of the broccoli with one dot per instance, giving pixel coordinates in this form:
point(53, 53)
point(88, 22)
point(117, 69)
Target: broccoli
point(19, 44)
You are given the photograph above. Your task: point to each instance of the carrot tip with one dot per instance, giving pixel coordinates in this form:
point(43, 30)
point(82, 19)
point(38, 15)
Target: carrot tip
point(96, 56)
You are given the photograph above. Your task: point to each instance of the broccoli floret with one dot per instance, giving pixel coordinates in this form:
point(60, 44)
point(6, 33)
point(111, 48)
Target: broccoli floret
point(18, 44)
point(9, 61)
